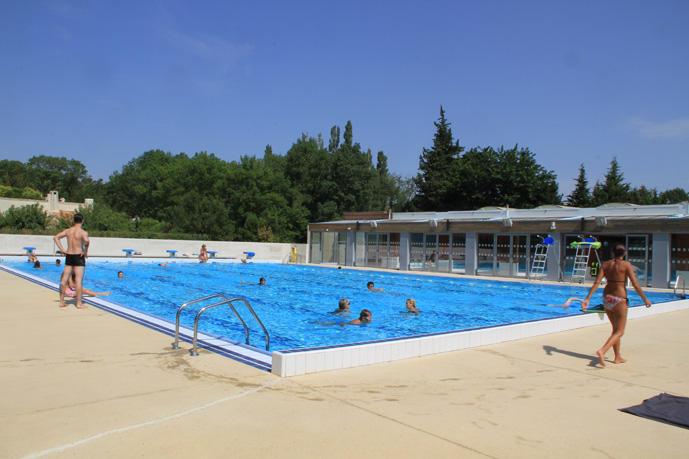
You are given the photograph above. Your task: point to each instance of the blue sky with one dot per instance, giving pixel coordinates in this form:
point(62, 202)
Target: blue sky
point(575, 82)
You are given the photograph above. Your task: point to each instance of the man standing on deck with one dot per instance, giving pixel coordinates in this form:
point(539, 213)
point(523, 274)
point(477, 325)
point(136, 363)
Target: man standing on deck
point(75, 257)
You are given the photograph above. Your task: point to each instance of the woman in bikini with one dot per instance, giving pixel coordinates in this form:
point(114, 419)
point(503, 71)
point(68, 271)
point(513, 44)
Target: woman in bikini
point(616, 272)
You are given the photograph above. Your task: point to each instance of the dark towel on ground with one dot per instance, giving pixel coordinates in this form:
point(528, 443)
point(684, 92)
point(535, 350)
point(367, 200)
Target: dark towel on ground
point(667, 408)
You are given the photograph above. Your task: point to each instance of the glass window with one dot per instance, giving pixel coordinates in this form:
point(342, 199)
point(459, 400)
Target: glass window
point(459, 243)
point(679, 256)
point(444, 252)
point(341, 248)
point(316, 247)
point(416, 255)
point(502, 255)
point(520, 260)
point(431, 251)
point(372, 249)
point(394, 251)
point(328, 247)
point(485, 253)
point(637, 255)
point(383, 250)
point(360, 250)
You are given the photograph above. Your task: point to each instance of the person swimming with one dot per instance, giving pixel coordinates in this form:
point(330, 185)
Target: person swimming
point(371, 286)
point(411, 306)
point(566, 304)
point(343, 307)
point(365, 317)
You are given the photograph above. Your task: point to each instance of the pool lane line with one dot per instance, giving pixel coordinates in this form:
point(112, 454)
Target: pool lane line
point(181, 414)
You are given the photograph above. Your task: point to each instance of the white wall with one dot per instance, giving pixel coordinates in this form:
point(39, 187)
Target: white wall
point(51, 204)
point(12, 244)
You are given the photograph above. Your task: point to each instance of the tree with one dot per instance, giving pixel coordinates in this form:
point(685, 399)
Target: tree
point(614, 189)
point(581, 196)
point(101, 217)
point(68, 176)
point(334, 143)
point(488, 177)
point(673, 196)
point(14, 174)
point(643, 196)
point(309, 170)
point(435, 168)
point(353, 172)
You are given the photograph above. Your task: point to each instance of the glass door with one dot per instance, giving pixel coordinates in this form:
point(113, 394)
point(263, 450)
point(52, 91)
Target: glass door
point(444, 252)
point(416, 256)
point(394, 251)
point(503, 255)
point(520, 259)
point(431, 251)
point(459, 253)
point(485, 254)
point(637, 255)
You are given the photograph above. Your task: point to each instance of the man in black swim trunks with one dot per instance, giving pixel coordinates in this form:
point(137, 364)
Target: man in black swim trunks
point(75, 257)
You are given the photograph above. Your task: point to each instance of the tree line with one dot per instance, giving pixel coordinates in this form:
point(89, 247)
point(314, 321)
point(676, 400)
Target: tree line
point(273, 198)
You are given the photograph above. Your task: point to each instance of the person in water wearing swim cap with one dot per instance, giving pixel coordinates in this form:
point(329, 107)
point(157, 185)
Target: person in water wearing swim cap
point(616, 271)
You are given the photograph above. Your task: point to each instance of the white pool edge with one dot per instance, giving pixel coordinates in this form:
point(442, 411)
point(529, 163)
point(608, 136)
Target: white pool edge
point(299, 362)
point(294, 363)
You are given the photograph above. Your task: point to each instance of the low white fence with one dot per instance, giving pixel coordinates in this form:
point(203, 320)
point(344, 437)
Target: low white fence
point(13, 244)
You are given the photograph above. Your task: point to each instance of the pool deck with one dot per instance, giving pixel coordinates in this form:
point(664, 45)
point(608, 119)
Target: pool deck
point(85, 383)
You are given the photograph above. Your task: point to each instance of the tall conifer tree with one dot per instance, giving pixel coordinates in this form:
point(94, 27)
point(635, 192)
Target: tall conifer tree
point(434, 180)
point(581, 196)
point(614, 189)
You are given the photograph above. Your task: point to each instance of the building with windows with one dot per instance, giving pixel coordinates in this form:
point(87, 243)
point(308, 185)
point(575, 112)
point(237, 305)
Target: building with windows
point(504, 242)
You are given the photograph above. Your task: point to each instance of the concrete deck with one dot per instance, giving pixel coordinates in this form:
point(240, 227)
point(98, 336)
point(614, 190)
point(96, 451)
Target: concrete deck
point(84, 383)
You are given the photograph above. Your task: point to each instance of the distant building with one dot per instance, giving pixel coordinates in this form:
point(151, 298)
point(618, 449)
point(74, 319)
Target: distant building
point(502, 241)
point(52, 204)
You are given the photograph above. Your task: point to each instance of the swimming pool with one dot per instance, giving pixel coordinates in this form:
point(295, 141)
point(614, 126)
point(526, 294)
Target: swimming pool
point(297, 302)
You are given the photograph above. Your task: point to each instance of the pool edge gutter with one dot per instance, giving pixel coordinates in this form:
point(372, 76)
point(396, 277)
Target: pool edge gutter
point(300, 362)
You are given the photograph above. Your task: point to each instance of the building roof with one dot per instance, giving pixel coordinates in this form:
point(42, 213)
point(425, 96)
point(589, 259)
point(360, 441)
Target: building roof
point(646, 218)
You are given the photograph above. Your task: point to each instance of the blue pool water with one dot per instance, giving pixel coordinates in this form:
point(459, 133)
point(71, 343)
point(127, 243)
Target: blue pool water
point(295, 304)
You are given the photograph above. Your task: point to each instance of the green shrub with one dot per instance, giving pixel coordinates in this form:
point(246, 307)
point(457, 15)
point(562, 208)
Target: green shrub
point(25, 217)
point(24, 193)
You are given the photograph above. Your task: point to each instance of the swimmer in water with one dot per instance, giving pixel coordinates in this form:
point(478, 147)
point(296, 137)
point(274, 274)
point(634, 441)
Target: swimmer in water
point(566, 304)
point(343, 307)
point(364, 317)
point(371, 287)
point(411, 306)
point(72, 289)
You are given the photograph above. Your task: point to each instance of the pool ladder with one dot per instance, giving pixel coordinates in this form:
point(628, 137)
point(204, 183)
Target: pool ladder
point(227, 301)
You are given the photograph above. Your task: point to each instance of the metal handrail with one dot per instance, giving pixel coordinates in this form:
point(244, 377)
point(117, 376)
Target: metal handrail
point(194, 351)
point(684, 286)
point(175, 345)
point(227, 301)
point(253, 313)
